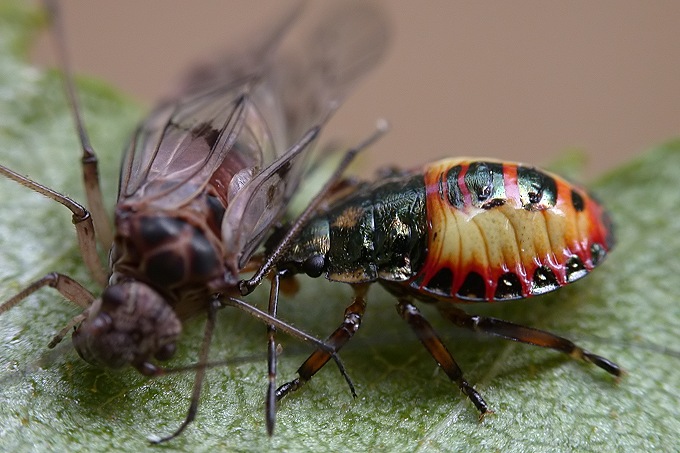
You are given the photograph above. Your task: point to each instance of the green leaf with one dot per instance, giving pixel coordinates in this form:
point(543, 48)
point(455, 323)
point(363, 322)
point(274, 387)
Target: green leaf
point(628, 310)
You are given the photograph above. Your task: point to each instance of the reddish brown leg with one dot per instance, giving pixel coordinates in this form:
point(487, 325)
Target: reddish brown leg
point(336, 340)
point(287, 328)
point(527, 335)
point(429, 338)
point(67, 287)
point(88, 160)
point(81, 220)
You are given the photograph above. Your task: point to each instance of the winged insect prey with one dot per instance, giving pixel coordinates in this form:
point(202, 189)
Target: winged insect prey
point(459, 230)
point(202, 180)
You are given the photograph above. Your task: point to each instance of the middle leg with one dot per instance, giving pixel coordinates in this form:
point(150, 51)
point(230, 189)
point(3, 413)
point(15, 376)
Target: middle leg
point(434, 345)
point(336, 340)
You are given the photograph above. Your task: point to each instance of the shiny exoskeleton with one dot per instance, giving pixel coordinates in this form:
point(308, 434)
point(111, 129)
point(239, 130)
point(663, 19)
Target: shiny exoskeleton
point(457, 230)
point(202, 181)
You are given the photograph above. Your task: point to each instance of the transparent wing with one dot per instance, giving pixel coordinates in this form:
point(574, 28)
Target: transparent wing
point(242, 118)
point(310, 80)
point(213, 123)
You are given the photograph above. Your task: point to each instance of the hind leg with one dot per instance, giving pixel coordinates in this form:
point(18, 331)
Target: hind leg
point(528, 335)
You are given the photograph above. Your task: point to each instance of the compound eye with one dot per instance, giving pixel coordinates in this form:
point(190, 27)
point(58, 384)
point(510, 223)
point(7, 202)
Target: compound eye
point(166, 352)
point(314, 265)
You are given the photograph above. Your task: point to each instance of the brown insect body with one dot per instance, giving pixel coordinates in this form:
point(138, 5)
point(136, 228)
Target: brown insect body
point(202, 181)
point(165, 266)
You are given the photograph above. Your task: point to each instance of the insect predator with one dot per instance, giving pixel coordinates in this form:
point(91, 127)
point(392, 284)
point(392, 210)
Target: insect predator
point(459, 230)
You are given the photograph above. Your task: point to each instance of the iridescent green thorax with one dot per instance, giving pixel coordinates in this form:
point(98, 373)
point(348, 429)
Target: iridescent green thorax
point(378, 232)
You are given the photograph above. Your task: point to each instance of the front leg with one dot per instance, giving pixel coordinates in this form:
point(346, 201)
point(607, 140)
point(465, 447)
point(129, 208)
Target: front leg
point(81, 218)
point(336, 340)
point(67, 287)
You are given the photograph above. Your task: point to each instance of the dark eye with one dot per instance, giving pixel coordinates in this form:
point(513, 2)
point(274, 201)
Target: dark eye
point(101, 324)
point(166, 352)
point(313, 266)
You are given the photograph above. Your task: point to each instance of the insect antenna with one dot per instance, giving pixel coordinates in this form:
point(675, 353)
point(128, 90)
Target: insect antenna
point(203, 363)
point(270, 396)
point(272, 320)
point(200, 368)
point(269, 319)
point(165, 371)
point(89, 162)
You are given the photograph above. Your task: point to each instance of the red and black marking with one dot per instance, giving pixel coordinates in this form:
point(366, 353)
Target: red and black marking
point(502, 231)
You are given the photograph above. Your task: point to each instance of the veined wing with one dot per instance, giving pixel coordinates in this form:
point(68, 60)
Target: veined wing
point(243, 117)
point(311, 80)
point(214, 122)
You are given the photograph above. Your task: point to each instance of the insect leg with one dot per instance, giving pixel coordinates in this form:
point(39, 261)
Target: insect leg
point(527, 335)
point(336, 340)
point(289, 329)
point(81, 220)
point(200, 373)
point(67, 287)
point(88, 160)
point(434, 345)
point(270, 397)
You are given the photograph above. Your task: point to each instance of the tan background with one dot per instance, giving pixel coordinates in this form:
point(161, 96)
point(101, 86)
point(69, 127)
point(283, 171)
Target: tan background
point(521, 80)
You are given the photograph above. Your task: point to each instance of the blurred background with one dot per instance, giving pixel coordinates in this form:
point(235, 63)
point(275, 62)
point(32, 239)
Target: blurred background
point(523, 80)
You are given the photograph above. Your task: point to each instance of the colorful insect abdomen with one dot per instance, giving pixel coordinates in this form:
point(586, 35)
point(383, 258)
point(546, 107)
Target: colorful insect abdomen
point(470, 230)
point(502, 231)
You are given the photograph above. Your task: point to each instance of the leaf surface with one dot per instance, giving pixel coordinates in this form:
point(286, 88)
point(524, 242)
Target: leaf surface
point(628, 310)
